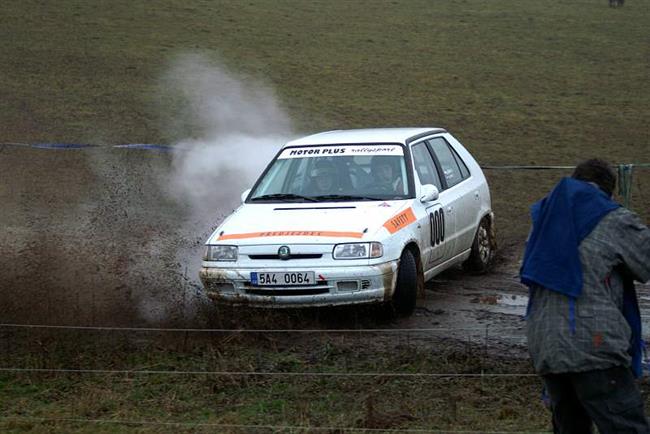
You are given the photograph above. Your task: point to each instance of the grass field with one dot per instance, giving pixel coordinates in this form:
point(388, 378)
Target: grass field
point(517, 81)
point(283, 400)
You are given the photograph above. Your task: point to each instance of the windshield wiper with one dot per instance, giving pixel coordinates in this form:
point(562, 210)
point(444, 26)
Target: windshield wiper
point(344, 197)
point(280, 196)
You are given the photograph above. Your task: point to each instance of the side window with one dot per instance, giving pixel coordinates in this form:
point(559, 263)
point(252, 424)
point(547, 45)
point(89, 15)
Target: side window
point(463, 168)
point(447, 160)
point(425, 166)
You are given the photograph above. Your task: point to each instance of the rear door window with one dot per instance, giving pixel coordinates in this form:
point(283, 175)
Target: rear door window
point(451, 170)
point(424, 165)
point(463, 167)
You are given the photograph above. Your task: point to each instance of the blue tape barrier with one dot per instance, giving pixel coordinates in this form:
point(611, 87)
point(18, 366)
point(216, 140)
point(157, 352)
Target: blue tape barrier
point(61, 145)
point(146, 146)
point(624, 170)
point(54, 145)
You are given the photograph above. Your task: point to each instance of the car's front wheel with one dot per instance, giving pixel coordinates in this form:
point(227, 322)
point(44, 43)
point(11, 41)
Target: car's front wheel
point(483, 248)
point(406, 287)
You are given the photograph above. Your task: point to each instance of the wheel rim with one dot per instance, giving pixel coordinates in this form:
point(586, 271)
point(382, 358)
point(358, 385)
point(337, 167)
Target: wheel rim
point(484, 247)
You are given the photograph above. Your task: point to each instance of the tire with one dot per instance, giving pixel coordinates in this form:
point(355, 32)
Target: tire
point(406, 287)
point(483, 250)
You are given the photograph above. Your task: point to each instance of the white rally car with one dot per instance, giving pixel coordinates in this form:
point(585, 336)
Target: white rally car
point(353, 216)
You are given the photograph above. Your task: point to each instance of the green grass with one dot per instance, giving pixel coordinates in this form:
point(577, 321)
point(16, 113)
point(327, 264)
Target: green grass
point(368, 402)
point(519, 81)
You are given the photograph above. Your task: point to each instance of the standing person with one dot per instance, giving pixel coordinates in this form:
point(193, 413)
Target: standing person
point(583, 322)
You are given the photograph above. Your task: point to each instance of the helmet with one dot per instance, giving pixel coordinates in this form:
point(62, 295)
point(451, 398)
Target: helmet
point(323, 168)
point(383, 160)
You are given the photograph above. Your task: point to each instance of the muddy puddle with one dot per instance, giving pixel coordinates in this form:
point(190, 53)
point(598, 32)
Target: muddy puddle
point(487, 309)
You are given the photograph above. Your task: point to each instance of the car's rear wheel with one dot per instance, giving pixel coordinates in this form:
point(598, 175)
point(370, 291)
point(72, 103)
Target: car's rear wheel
point(406, 287)
point(483, 250)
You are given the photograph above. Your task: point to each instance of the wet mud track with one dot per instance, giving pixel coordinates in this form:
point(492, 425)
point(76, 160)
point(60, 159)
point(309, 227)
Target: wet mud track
point(488, 309)
point(482, 310)
point(92, 238)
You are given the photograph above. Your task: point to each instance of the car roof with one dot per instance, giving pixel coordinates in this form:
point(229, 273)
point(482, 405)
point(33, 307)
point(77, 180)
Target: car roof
point(366, 135)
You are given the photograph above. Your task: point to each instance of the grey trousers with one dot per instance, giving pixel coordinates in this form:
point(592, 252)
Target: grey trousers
point(609, 398)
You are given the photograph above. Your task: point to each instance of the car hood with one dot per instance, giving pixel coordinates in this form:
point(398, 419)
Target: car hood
point(325, 222)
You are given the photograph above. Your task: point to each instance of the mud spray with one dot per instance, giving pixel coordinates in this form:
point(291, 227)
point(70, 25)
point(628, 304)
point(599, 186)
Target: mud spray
point(114, 236)
point(243, 126)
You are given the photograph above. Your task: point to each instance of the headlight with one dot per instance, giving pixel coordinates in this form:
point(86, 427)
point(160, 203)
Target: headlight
point(358, 251)
point(220, 253)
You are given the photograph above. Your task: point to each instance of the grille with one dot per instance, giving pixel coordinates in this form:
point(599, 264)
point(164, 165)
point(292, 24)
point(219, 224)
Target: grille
point(365, 284)
point(288, 292)
point(249, 286)
point(296, 256)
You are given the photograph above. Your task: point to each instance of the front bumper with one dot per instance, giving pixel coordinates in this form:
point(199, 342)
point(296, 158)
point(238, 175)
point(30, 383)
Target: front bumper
point(334, 286)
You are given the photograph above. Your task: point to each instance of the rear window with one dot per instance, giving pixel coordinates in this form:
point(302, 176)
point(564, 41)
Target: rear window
point(449, 161)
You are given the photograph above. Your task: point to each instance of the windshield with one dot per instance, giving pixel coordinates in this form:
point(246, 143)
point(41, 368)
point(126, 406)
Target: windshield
point(335, 173)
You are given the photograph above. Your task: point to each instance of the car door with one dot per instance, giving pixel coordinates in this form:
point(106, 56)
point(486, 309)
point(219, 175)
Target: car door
point(457, 193)
point(439, 219)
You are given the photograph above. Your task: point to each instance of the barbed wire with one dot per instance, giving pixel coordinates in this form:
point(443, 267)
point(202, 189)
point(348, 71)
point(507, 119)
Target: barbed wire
point(625, 191)
point(268, 374)
point(518, 167)
point(257, 427)
point(200, 330)
point(524, 167)
point(162, 146)
point(489, 327)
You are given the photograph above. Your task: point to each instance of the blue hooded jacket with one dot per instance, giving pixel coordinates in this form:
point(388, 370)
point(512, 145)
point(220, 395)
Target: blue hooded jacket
point(552, 258)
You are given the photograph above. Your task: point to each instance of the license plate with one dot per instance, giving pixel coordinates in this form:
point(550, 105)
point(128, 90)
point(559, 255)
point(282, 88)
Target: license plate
point(292, 278)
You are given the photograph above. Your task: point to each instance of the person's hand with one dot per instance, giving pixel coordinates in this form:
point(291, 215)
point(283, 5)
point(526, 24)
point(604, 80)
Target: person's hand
point(399, 186)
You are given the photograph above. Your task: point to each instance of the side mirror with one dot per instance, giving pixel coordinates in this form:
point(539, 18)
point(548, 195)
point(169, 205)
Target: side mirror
point(245, 194)
point(428, 193)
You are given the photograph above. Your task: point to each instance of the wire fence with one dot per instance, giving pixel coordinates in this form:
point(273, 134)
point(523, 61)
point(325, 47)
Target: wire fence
point(274, 428)
point(270, 374)
point(482, 335)
point(243, 330)
point(625, 175)
point(625, 170)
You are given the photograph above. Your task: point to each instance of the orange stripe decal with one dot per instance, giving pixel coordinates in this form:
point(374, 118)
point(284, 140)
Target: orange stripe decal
point(400, 221)
point(291, 234)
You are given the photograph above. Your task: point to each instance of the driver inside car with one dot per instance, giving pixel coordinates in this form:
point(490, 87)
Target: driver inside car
point(386, 178)
point(323, 180)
